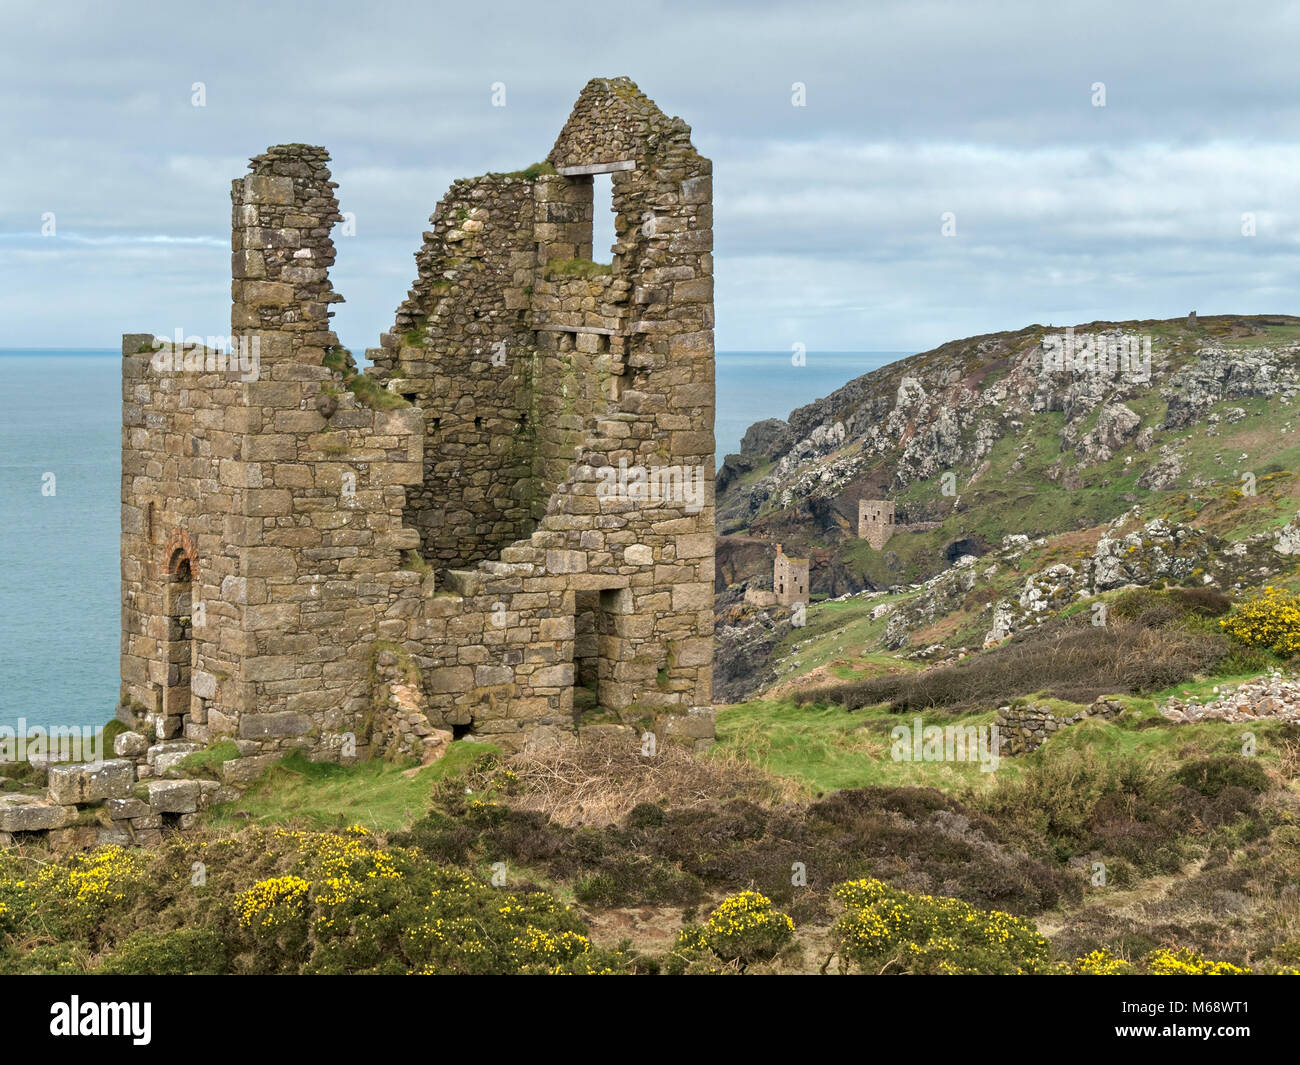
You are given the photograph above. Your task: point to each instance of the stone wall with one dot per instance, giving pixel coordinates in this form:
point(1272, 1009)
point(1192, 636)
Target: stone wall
point(461, 351)
point(126, 800)
point(877, 523)
point(1022, 729)
point(618, 370)
point(178, 429)
point(277, 490)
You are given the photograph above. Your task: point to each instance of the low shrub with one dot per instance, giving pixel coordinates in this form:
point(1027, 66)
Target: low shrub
point(886, 930)
point(1270, 621)
point(1067, 658)
point(1211, 776)
point(182, 952)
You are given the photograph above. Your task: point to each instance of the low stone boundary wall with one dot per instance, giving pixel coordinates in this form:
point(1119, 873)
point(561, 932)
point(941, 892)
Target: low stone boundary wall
point(126, 800)
point(1022, 729)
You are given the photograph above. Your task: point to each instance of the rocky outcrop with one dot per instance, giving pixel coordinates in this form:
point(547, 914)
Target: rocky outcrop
point(939, 596)
point(768, 439)
point(1160, 550)
point(1116, 426)
point(744, 640)
point(1165, 471)
point(1218, 374)
point(1288, 538)
point(763, 441)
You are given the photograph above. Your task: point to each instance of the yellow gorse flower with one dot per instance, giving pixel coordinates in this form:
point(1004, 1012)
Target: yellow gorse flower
point(271, 903)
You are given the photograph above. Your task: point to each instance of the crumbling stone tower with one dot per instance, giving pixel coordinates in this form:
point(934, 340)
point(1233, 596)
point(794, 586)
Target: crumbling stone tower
point(876, 521)
point(789, 578)
point(517, 497)
point(261, 501)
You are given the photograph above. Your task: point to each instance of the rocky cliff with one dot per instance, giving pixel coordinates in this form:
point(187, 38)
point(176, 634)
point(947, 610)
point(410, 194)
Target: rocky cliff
point(1111, 453)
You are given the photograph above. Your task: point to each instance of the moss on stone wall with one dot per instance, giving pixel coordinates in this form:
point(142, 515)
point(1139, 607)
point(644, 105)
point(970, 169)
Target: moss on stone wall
point(576, 268)
point(368, 391)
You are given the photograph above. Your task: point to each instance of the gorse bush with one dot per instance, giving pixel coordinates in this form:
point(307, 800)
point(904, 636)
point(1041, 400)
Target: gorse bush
point(1102, 963)
point(69, 899)
point(273, 912)
point(742, 929)
point(1162, 961)
point(388, 910)
point(1186, 962)
point(281, 902)
point(1270, 621)
point(887, 930)
point(746, 927)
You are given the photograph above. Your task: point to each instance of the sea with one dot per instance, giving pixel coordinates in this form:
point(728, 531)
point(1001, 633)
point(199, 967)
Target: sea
point(60, 496)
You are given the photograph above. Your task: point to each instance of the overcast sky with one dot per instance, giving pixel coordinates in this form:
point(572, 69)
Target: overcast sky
point(828, 217)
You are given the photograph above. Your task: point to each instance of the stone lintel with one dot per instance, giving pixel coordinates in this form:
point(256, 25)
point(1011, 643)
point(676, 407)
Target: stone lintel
point(596, 168)
point(575, 329)
point(596, 582)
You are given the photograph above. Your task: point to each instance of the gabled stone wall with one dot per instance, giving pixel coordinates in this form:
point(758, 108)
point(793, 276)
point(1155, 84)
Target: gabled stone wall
point(617, 370)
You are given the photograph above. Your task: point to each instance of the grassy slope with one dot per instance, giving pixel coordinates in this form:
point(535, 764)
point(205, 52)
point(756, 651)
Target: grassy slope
point(380, 796)
point(827, 748)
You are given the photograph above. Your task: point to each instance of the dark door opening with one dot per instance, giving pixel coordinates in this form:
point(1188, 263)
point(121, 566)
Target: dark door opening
point(179, 650)
point(586, 654)
point(600, 618)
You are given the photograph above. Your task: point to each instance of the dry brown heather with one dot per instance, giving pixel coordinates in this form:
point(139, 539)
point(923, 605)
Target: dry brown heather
point(342, 563)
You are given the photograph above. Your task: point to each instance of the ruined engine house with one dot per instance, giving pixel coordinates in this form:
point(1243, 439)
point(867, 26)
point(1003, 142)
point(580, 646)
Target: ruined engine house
point(510, 507)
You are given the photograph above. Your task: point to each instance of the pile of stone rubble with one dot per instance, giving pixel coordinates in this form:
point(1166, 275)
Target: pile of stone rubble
point(1272, 695)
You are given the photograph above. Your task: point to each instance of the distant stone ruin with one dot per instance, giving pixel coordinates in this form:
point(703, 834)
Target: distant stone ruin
point(789, 578)
point(875, 521)
point(789, 583)
point(514, 500)
point(877, 525)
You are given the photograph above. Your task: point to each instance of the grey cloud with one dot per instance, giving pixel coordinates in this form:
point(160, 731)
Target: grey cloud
point(827, 216)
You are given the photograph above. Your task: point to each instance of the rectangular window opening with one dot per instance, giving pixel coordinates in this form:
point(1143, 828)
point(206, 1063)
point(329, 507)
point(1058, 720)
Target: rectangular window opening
point(602, 218)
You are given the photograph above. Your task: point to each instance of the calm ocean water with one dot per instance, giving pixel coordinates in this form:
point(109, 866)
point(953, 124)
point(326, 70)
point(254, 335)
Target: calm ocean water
point(60, 414)
point(753, 385)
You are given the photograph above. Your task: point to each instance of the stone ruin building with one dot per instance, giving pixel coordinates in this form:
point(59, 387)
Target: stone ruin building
point(789, 578)
point(876, 521)
point(789, 583)
point(513, 502)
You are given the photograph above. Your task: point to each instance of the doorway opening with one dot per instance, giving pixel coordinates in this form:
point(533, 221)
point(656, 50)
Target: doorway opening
point(179, 648)
point(598, 645)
